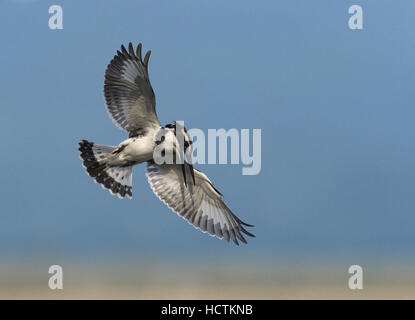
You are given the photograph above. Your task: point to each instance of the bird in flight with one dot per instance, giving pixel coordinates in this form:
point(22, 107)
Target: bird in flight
point(131, 103)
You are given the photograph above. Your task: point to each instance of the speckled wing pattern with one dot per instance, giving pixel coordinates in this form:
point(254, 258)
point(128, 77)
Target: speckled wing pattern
point(199, 202)
point(129, 96)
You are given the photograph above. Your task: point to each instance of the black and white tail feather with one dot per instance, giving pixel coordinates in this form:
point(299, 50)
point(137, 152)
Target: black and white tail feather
point(118, 180)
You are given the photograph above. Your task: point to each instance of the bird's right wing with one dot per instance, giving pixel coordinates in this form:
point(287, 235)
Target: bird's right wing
point(198, 201)
point(128, 93)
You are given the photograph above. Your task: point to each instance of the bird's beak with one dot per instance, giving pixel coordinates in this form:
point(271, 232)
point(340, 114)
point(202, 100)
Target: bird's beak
point(184, 174)
point(191, 172)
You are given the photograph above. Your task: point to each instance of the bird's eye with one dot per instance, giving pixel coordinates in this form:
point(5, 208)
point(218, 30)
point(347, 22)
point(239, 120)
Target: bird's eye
point(161, 140)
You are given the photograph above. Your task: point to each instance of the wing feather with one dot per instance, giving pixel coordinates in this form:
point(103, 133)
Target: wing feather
point(129, 97)
point(197, 201)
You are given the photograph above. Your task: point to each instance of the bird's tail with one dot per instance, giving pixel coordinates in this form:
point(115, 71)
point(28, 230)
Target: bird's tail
point(118, 180)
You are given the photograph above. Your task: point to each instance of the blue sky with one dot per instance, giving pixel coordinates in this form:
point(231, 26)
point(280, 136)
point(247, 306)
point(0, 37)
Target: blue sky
point(335, 107)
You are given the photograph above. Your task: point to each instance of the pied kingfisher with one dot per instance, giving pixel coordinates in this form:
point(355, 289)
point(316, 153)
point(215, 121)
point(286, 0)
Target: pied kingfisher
point(130, 102)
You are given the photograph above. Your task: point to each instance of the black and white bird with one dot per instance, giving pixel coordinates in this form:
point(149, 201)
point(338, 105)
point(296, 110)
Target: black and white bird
point(130, 102)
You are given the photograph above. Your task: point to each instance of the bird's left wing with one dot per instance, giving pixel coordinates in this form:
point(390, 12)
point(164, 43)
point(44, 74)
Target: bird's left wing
point(128, 93)
point(198, 201)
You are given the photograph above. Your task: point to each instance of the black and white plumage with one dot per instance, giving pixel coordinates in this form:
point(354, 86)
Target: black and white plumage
point(131, 102)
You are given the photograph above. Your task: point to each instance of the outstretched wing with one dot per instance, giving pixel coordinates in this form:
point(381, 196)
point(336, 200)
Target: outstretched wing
point(199, 202)
point(128, 93)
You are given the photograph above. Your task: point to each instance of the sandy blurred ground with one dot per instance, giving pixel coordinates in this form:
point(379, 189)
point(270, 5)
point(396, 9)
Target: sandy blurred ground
point(205, 280)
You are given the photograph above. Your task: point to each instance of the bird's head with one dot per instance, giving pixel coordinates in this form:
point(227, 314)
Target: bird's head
point(181, 134)
point(174, 146)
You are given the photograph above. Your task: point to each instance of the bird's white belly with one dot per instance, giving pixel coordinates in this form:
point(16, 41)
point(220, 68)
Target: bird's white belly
point(138, 149)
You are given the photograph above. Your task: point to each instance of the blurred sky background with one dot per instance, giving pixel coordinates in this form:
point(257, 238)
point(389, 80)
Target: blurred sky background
point(336, 109)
